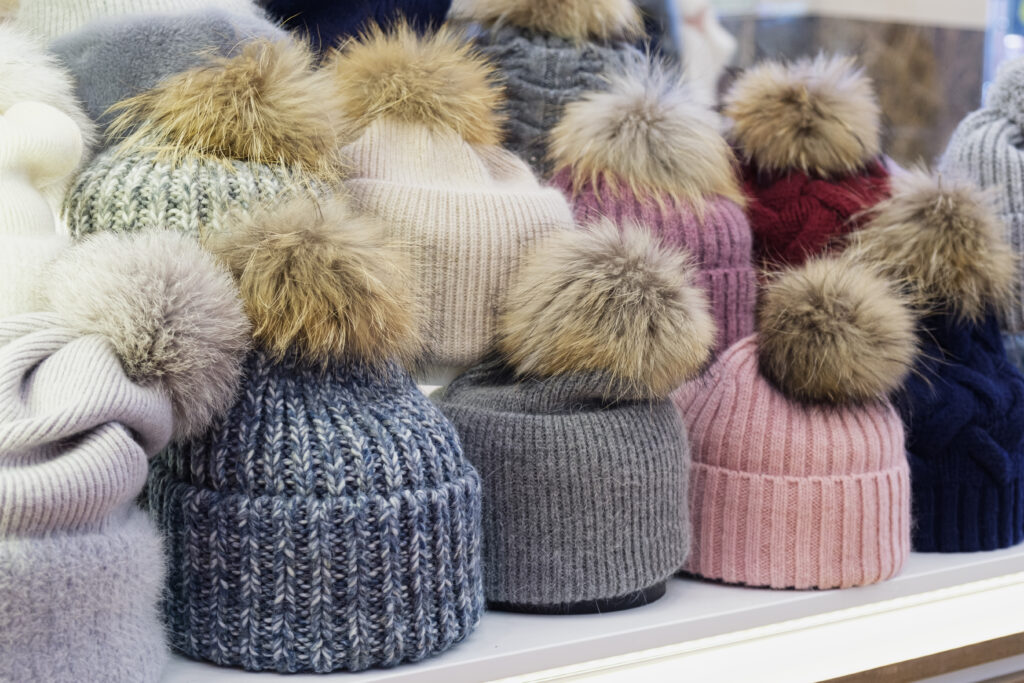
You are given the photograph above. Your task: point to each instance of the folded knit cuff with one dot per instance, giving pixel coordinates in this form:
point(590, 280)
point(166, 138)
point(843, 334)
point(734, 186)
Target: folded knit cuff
point(963, 517)
point(732, 297)
point(799, 532)
point(83, 607)
point(319, 584)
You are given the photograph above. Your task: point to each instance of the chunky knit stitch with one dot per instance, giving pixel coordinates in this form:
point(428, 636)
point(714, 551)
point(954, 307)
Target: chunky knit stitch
point(328, 522)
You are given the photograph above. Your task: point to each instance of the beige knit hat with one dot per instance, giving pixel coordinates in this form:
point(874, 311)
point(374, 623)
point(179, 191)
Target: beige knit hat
point(427, 160)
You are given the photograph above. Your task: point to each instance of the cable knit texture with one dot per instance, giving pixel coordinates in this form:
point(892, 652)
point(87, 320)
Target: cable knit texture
point(328, 522)
point(964, 408)
point(796, 216)
point(583, 499)
point(720, 243)
point(792, 496)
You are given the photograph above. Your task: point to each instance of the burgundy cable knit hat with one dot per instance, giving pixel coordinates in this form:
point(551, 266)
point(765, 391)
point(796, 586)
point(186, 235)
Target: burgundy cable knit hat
point(646, 151)
point(808, 136)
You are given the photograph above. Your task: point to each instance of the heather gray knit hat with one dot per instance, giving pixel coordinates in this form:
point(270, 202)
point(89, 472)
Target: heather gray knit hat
point(549, 54)
point(986, 149)
point(584, 462)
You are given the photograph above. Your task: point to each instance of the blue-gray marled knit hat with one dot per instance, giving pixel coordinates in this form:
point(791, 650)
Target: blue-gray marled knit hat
point(330, 521)
point(584, 461)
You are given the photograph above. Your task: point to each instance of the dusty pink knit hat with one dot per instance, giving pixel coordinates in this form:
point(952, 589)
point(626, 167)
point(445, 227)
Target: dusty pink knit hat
point(800, 478)
point(645, 150)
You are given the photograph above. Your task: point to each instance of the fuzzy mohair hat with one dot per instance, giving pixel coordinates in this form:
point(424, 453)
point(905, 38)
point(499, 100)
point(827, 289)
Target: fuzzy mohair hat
point(584, 459)
point(427, 162)
point(229, 136)
point(329, 521)
point(808, 137)
point(644, 151)
point(39, 147)
point(800, 479)
point(984, 150)
point(141, 341)
point(964, 404)
point(549, 54)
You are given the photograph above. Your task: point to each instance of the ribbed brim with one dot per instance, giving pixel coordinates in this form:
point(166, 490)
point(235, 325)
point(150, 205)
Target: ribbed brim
point(956, 517)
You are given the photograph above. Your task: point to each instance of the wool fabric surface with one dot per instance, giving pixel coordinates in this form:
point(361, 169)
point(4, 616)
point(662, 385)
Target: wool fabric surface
point(786, 495)
point(964, 410)
point(719, 241)
point(584, 500)
point(328, 522)
point(797, 216)
point(470, 212)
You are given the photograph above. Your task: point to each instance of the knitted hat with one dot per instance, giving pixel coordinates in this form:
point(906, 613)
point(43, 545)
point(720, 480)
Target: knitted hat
point(584, 461)
point(329, 521)
point(228, 136)
point(808, 136)
point(644, 151)
point(800, 479)
point(89, 391)
point(427, 162)
point(964, 405)
point(985, 150)
point(549, 54)
point(38, 147)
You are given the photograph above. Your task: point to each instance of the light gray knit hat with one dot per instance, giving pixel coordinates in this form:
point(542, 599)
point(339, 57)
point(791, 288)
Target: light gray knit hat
point(987, 148)
point(584, 463)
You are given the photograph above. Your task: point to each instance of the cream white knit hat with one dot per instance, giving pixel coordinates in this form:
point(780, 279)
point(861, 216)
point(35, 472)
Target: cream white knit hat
point(427, 160)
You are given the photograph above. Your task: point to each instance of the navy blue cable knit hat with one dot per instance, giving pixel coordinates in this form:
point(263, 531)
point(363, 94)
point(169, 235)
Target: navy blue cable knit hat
point(329, 521)
point(964, 404)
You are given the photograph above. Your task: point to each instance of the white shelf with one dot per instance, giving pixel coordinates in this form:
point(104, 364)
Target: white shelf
point(711, 632)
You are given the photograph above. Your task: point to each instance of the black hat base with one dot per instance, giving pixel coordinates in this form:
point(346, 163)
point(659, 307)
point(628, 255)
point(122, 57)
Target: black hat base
point(623, 602)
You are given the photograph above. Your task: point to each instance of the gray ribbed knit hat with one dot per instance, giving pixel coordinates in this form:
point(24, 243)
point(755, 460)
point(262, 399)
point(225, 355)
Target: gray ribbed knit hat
point(584, 464)
point(986, 149)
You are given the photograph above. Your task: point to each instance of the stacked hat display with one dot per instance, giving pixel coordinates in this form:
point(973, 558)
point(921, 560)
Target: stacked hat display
point(329, 521)
point(549, 54)
point(644, 151)
point(800, 478)
point(583, 458)
point(808, 137)
point(427, 162)
point(985, 149)
point(964, 404)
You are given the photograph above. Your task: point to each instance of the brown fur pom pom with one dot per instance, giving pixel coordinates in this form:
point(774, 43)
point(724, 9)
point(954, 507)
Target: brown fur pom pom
point(818, 115)
point(612, 301)
point(436, 80)
point(324, 282)
point(266, 105)
point(943, 240)
point(834, 331)
point(576, 20)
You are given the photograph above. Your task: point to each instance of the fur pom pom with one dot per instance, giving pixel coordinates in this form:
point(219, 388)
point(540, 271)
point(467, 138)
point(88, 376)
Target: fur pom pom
point(171, 312)
point(648, 133)
point(1007, 92)
point(943, 240)
point(323, 282)
point(834, 331)
point(576, 20)
point(611, 301)
point(266, 105)
point(435, 80)
point(817, 115)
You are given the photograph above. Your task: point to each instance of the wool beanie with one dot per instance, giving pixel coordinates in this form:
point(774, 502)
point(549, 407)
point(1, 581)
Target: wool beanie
point(329, 521)
point(229, 136)
point(89, 390)
point(985, 149)
point(808, 137)
point(644, 151)
point(583, 458)
point(549, 54)
point(964, 404)
point(800, 479)
point(427, 162)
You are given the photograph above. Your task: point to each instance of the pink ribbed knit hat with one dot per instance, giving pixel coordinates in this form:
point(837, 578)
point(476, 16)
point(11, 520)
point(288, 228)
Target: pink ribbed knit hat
point(800, 478)
point(645, 150)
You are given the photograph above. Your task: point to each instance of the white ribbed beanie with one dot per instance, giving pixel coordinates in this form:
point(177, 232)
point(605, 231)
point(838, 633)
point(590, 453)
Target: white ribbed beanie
point(39, 146)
